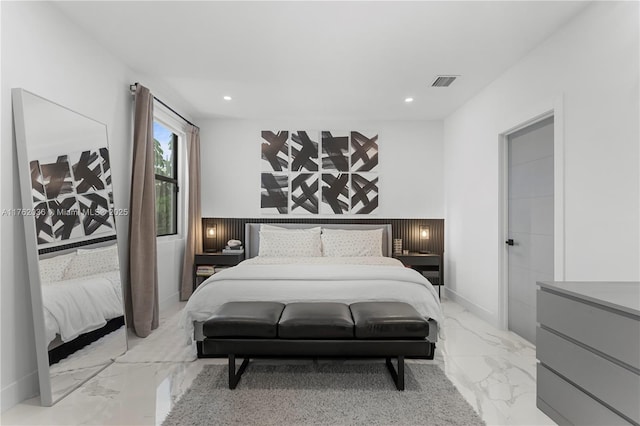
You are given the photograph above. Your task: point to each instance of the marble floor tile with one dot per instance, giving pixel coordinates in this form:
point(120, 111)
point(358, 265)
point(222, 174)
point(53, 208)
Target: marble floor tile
point(493, 369)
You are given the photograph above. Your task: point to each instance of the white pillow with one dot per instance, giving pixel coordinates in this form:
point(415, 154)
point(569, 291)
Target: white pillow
point(351, 243)
point(93, 261)
point(52, 269)
point(266, 227)
point(290, 243)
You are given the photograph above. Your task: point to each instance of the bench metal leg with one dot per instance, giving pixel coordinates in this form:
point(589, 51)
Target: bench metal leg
point(234, 377)
point(398, 376)
point(432, 351)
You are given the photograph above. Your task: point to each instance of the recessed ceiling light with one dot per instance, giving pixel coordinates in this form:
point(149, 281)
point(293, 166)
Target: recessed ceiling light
point(226, 98)
point(408, 100)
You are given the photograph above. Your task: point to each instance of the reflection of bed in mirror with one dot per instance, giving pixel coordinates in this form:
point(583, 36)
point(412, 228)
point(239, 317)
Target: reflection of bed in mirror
point(83, 312)
point(81, 299)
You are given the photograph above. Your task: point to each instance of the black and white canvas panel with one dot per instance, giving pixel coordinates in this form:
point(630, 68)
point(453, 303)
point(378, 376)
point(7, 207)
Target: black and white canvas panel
point(87, 171)
point(106, 166)
point(274, 196)
point(56, 177)
point(304, 151)
point(304, 193)
point(44, 230)
point(106, 174)
point(275, 150)
point(364, 193)
point(37, 185)
point(335, 152)
point(95, 213)
point(65, 218)
point(335, 193)
point(364, 153)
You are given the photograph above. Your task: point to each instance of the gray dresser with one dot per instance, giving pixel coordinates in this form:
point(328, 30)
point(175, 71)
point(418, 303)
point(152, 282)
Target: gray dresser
point(588, 348)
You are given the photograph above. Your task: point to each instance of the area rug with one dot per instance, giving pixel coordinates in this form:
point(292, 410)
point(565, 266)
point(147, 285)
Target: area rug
point(325, 393)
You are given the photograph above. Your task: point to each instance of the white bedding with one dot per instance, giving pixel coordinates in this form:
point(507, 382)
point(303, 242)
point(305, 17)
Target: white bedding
point(76, 306)
point(320, 279)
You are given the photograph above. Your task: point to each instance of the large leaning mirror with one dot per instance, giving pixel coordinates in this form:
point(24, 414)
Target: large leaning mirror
point(72, 253)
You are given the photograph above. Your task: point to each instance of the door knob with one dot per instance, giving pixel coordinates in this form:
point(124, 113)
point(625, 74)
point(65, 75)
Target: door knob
point(509, 242)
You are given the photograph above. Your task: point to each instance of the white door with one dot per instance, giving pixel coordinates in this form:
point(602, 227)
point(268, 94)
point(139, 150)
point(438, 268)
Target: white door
point(530, 231)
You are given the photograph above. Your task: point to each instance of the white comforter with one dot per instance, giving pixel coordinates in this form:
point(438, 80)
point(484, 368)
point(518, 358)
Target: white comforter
point(346, 280)
point(80, 305)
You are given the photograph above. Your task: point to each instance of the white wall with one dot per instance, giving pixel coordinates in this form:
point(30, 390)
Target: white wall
point(410, 167)
point(45, 53)
point(592, 63)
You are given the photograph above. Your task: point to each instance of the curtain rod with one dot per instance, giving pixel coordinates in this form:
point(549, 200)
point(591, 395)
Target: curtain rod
point(132, 88)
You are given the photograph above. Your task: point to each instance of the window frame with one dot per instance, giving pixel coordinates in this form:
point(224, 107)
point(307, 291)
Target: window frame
point(173, 181)
point(167, 119)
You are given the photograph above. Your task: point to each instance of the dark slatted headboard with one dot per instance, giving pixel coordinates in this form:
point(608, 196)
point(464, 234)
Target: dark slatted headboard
point(406, 229)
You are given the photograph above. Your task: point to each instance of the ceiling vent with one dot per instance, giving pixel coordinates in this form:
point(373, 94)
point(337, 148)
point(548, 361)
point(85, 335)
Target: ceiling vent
point(444, 80)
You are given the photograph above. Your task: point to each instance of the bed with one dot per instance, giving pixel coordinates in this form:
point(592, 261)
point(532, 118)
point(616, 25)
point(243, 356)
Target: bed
point(350, 264)
point(81, 298)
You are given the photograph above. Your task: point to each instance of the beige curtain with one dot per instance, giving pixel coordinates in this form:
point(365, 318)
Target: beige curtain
point(143, 272)
point(193, 243)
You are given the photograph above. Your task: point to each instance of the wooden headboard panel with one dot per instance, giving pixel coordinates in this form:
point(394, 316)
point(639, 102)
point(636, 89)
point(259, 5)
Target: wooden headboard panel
point(252, 234)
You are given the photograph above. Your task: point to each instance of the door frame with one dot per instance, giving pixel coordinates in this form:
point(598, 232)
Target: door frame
point(518, 121)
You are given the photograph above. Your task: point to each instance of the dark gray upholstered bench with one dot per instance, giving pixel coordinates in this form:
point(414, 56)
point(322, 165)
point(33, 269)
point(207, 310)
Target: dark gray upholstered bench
point(317, 329)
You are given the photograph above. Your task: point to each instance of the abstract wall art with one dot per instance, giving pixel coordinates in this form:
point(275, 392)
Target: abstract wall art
point(72, 196)
point(274, 195)
point(319, 172)
point(304, 193)
point(364, 153)
point(335, 193)
point(275, 151)
point(56, 177)
point(304, 151)
point(335, 152)
point(364, 193)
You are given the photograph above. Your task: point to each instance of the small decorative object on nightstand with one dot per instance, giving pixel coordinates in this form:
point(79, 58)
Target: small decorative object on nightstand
point(233, 247)
point(206, 264)
point(429, 265)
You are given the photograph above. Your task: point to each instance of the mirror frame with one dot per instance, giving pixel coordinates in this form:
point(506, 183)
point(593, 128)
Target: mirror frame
point(32, 251)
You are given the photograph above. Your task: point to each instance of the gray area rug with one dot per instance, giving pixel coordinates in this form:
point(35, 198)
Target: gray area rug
point(325, 393)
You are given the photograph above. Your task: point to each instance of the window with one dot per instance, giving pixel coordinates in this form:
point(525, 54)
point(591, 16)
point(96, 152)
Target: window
point(166, 171)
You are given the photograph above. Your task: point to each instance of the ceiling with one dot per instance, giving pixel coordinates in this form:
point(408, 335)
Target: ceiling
point(329, 60)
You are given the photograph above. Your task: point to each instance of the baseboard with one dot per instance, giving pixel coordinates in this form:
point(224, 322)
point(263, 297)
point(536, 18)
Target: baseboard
point(550, 412)
point(472, 307)
point(25, 388)
point(169, 302)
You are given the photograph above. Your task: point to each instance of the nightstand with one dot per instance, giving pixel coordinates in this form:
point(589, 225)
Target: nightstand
point(429, 265)
point(213, 260)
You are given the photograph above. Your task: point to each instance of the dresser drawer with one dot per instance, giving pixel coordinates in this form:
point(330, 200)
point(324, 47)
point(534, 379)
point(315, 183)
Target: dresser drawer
point(575, 406)
point(613, 333)
point(607, 381)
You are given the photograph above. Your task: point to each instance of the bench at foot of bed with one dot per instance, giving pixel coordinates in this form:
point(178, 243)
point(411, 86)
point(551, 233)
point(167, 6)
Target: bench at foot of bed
point(322, 329)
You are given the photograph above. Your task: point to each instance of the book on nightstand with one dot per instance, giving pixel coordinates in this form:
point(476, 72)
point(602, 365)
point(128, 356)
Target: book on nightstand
point(204, 271)
point(233, 250)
